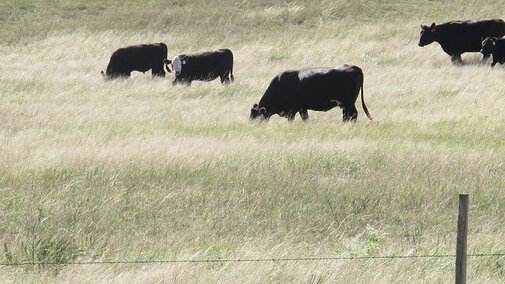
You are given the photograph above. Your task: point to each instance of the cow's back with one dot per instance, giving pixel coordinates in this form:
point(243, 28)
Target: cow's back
point(140, 57)
point(465, 36)
point(323, 88)
point(207, 65)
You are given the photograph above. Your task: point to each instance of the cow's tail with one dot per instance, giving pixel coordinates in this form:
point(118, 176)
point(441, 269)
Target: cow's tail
point(363, 102)
point(231, 68)
point(167, 62)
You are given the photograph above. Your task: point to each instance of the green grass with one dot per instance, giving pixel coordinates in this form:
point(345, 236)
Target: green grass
point(138, 169)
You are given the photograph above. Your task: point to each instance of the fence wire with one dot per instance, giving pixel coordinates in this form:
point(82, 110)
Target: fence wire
point(306, 259)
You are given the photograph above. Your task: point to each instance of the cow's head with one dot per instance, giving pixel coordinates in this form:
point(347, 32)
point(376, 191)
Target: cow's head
point(167, 62)
point(177, 65)
point(427, 34)
point(488, 44)
point(258, 112)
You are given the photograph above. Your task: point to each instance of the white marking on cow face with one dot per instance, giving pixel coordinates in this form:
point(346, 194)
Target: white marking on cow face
point(177, 65)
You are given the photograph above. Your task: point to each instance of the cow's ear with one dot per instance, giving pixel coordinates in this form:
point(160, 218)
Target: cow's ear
point(433, 26)
point(255, 105)
point(263, 110)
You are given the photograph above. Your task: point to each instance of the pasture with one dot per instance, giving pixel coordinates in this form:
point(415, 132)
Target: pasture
point(139, 169)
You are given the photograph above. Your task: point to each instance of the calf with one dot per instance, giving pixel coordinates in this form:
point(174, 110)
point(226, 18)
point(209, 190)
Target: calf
point(496, 47)
point(142, 57)
point(317, 88)
point(204, 66)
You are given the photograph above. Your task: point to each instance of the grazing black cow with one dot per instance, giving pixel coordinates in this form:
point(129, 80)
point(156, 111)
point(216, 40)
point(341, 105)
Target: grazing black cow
point(140, 57)
point(496, 47)
point(205, 66)
point(458, 37)
point(317, 88)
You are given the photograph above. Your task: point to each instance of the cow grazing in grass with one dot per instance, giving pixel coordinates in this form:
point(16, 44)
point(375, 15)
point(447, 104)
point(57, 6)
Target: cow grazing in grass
point(317, 88)
point(458, 37)
point(204, 66)
point(496, 47)
point(142, 57)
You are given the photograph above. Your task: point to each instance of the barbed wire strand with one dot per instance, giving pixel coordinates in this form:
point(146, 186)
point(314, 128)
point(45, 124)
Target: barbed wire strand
point(246, 260)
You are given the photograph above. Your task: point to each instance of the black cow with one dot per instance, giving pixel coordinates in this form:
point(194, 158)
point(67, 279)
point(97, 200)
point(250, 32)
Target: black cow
point(204, 66)
point(142, 57)
point(458, 37)
point(317, 88)
point(496, 47)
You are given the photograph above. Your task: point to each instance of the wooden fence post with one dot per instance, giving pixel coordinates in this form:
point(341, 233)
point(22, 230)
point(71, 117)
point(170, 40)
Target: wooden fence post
point(461, 239)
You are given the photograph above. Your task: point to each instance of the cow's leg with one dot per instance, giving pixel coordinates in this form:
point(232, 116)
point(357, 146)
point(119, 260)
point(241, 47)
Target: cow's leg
point(456, 59)
point(121, 74)
point(350, 113)
point(225, 78)
point(291, 116)
point(345, 115)
point(183, 81)
point(304, 114)
point(158, 71)
point(484, 58)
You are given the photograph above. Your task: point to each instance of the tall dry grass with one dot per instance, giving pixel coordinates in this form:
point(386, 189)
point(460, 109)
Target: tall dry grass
point(139, 169)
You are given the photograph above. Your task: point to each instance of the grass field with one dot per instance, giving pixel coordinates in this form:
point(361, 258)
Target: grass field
point(138, 169)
